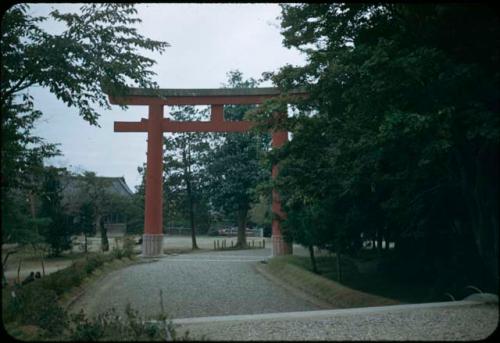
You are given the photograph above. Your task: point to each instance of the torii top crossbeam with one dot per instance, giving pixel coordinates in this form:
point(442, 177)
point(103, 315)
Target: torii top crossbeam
point(156, 124)
point(199, 96)
point(215, 97)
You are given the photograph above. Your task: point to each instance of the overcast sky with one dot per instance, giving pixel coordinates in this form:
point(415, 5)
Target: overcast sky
point(207, 41)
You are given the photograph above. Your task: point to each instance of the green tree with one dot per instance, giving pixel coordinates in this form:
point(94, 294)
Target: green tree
point(86, 221)
point(95, 191)
point(235, 169)
point(405, 104)
point(21, 174)
point(98, 49)
point(260, 213)
point(135, 222)
point(185, 162)
point(58, 232)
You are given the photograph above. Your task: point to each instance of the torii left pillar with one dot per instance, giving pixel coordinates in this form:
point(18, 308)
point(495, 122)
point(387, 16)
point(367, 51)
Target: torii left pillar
point(152, 240)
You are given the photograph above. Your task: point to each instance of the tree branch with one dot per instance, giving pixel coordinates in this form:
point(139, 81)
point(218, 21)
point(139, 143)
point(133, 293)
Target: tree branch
point(17, 87)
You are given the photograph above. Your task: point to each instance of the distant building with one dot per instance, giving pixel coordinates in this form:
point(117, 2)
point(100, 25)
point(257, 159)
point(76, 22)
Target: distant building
point(72, 186)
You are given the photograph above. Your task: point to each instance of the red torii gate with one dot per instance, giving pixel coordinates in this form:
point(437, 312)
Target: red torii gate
point(156, 124)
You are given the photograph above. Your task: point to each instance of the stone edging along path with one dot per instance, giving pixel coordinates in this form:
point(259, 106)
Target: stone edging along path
point(322, 292)
point(323, 313)
point(444, 321)
point(294, 290)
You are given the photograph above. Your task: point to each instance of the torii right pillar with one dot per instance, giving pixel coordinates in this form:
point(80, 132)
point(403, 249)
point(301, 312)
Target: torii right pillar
point(280, 247)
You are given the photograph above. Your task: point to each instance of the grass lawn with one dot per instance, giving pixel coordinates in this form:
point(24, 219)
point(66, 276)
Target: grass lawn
point(370, 282)
point(29, 261)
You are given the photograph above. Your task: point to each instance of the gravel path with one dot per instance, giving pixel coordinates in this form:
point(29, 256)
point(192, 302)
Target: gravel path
point(226, 283)
point(193, 285)
point(450, 323)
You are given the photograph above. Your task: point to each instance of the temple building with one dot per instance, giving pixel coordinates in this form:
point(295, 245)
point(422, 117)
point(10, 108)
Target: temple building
point(74, 193)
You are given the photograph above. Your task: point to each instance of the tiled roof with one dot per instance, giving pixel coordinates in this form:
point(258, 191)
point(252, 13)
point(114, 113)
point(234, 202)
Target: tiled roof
point(72, 185)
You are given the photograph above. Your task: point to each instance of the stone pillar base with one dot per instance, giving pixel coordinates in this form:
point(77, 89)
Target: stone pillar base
point(152, 245)
point(280, 247)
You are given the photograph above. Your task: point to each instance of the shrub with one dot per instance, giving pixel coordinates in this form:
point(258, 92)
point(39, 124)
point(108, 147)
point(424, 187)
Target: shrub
point(34, 305)
point(127, 249)
point(117, 252)
point(28, 300)
point(63, 280)
point(83, 330)
point(128, 246)
point(110, 326)
point(10, 305)
point(94, 262)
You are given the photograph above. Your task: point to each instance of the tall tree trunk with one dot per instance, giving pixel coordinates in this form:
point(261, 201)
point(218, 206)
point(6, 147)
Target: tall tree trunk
point(86, 242)
point(43, 263)
point(242, 223)
point(33, 215)
point(187, 177)
point(339, 265)
point(33, 210)
point(191, 218)
point(104, 233)
point(191, 212)
point(338, 257)
point(19, 270)
point(313, 259)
